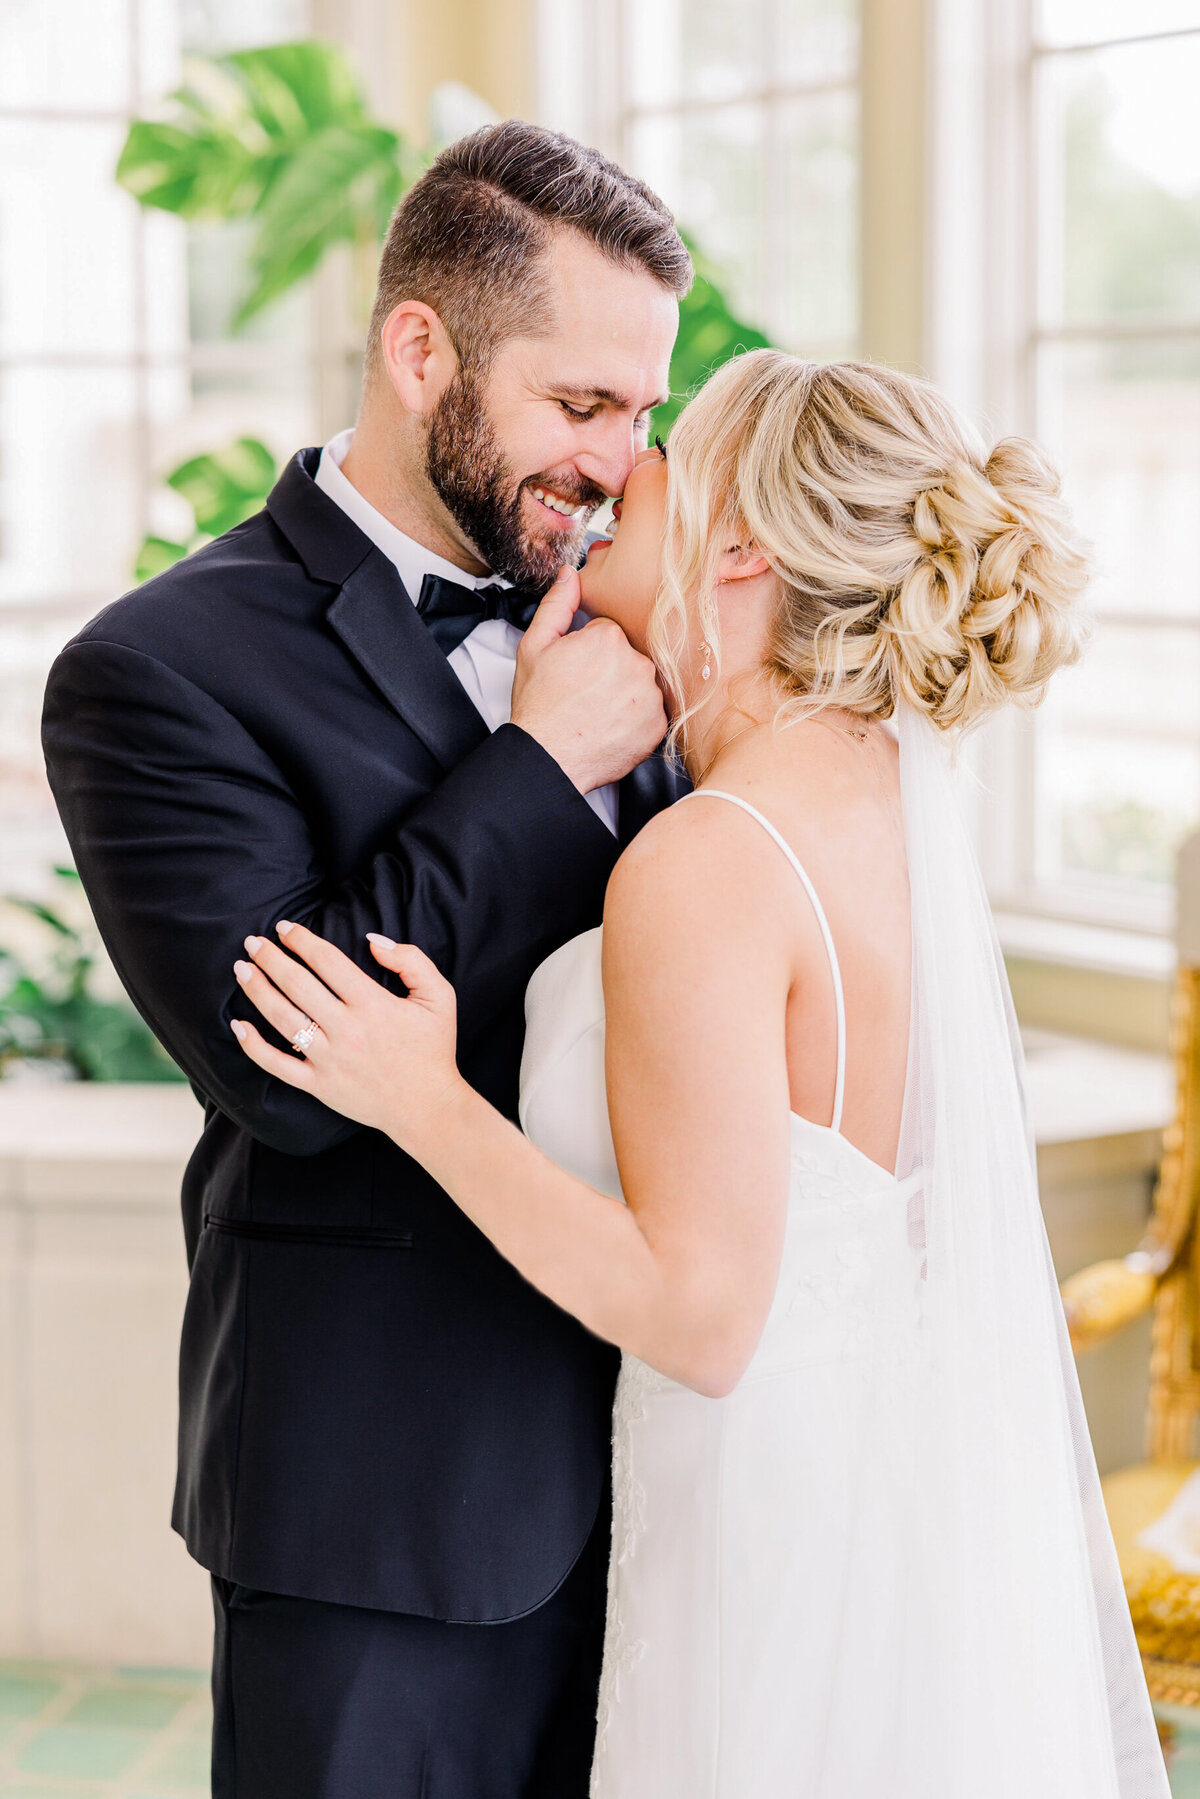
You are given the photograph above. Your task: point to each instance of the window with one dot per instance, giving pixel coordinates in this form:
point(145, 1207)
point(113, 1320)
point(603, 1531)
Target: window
point(1107, 780)
point(116, 359)
point(743, 115)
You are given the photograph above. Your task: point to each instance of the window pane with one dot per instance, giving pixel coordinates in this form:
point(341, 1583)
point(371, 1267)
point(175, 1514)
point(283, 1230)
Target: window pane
point(214, 26)
point(70, 482)
point(49, 61)
point(272, 398)
point(710, 169)
point(67, 240)
point(33, 839)
point(694, 49)
point(811, 261)
point(1119, 184)
point(818, 40)
point(1119, 757)
point(1123, 417)
point(1091, 21)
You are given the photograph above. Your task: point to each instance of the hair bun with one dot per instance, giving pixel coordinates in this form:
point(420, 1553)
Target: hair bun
point(987, 611)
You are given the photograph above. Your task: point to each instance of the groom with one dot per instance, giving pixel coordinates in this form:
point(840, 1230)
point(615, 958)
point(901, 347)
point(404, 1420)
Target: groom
point(393, 1453)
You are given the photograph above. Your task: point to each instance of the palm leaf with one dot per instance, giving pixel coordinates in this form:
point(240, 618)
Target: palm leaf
point(157, 554)
point(226, 486)
point(281, 134)
point(47, 916)
point(340, 185)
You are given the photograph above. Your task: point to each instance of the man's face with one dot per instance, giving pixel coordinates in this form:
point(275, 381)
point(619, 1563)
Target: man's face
point(522, 458)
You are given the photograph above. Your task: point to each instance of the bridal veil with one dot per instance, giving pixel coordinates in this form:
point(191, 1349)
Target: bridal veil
point(1022, 1633)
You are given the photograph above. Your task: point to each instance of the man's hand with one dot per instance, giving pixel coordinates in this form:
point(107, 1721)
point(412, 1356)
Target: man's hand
point(588, 697)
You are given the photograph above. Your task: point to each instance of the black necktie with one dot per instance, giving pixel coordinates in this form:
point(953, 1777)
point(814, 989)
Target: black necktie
point(451, 611)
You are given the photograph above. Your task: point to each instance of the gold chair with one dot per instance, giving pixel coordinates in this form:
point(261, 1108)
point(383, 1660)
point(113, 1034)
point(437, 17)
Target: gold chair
point(1162, 1272)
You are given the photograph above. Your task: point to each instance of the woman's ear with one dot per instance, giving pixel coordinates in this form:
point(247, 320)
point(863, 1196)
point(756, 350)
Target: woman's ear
point(418, 355)
point(741, 562)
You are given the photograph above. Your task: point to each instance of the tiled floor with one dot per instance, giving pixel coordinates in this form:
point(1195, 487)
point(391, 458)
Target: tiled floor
point(103, 1733)
point(1182, 1732)
point(143, 1733)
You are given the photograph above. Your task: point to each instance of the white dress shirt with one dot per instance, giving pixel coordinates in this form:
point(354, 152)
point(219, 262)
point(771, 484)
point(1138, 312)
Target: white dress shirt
point(486, 660)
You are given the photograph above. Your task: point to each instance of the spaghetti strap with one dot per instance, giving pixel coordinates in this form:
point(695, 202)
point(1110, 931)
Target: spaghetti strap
point(839, 1092)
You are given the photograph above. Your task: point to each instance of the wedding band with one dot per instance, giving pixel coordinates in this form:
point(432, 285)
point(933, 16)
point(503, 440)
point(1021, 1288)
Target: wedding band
point(305, 1037)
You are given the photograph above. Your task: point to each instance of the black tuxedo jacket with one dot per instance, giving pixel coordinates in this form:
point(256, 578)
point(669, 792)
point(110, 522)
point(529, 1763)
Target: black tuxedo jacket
point(375, 1408)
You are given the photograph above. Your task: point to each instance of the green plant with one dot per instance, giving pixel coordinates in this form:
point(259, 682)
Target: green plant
point(54, 1016)
point(282, 136)
point(222, 488)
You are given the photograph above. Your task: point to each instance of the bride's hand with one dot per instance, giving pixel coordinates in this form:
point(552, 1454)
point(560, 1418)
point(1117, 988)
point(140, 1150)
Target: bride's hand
point(376, 1058)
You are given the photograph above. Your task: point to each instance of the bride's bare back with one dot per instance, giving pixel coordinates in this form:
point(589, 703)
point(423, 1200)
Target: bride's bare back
point(832, 788)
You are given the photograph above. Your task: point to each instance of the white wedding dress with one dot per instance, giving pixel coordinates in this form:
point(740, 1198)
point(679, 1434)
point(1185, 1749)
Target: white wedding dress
point(798, 1608)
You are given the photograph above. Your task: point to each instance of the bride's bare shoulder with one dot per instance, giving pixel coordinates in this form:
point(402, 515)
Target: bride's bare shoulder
point(676, 845)
point(690, 870)
point(704, 861)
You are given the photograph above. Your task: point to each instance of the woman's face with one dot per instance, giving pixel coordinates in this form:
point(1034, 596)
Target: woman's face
point(621, 576)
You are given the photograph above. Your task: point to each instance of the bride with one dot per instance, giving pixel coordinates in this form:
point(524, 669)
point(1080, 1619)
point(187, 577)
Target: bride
point(775, 1139)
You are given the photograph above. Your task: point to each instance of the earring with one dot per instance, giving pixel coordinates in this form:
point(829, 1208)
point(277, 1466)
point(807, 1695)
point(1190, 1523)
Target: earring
point(706, 652)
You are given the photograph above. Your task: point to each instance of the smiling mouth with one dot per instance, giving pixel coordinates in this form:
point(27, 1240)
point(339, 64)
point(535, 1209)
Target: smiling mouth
point(566, 512)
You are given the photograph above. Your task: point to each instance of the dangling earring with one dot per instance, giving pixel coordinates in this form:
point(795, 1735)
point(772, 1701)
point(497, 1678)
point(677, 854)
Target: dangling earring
point(706, 652)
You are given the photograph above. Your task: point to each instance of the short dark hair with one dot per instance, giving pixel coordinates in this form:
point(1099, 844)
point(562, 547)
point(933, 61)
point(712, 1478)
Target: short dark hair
point(469, 237)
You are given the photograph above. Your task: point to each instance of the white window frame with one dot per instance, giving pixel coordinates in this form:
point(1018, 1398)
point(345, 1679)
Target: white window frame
point(580, 82)
point(1000, 375)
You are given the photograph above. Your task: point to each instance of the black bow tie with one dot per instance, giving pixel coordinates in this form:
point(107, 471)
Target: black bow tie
point(451, 612)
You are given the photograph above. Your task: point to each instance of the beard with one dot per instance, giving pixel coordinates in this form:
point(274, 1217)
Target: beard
point(475, 483)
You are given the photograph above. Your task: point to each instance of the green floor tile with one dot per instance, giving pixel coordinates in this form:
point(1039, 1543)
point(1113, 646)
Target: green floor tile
point(135, 1708)
point(24, 1695)
point(39, 1670)
point(71, 1749)
point(187, 1764)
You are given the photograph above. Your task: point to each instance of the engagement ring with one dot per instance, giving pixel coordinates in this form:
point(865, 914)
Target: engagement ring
point(303, 1041)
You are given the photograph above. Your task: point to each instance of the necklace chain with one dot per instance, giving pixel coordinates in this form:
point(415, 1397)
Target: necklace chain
point(860, 733)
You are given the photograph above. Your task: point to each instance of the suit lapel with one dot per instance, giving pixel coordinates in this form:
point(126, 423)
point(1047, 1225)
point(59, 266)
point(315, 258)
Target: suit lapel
point(374, 616)
point(379, 625)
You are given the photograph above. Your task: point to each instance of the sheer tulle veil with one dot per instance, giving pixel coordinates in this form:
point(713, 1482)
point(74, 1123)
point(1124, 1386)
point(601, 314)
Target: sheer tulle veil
point(1023, 1615)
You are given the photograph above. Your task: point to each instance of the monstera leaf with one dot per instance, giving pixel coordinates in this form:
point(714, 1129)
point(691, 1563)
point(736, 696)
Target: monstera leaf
point(222, 488)
point(709, 334)
point(281, 135)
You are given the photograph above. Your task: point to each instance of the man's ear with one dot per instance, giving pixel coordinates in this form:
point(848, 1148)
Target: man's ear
point(418, 355)
point(741, 562)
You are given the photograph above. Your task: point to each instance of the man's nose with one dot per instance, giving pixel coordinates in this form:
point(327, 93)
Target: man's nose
point(607, 456)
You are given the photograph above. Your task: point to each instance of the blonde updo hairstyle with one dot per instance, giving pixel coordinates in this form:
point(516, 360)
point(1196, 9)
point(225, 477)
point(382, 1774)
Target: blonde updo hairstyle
point(912, 566)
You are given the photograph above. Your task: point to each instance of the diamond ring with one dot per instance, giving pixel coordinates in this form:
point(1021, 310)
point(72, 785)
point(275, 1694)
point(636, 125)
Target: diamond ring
point(305, 1037)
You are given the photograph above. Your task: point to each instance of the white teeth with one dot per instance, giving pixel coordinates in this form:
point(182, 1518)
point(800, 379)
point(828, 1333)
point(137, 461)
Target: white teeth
point(557, 505)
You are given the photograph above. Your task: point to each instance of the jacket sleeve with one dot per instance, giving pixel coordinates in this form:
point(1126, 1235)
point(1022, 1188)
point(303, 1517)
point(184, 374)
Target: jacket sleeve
point(188, 838)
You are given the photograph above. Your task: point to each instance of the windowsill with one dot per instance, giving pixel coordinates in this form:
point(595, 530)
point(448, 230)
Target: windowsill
point(1098, 948)
point(95, 1145)
point(79, 1144)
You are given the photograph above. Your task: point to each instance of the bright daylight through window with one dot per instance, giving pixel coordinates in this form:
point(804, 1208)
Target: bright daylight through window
point(1114, 347)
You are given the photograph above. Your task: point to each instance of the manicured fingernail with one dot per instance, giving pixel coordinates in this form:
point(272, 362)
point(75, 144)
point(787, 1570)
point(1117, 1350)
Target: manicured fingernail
point(243, 971)
point(564, 571)
point(380, 939)
point(284, 926)
point(238, 1029)
point(252, 945)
